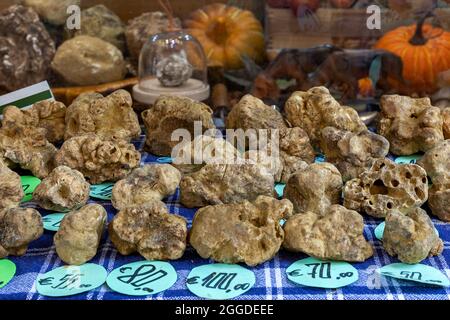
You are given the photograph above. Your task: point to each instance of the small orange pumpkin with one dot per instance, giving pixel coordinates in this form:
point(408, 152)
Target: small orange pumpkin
point(226, 33)
point(425, 52)
point(366, 88)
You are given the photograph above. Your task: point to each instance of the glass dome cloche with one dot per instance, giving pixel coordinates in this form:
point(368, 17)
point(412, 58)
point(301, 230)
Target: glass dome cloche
point(172, 63)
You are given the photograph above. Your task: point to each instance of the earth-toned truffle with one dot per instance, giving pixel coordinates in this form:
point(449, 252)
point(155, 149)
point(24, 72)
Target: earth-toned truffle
point(52, 11)
point(337, 234)
point(411, 125)
point(99, 159)
point(11, 192)
point(79, 234)
point(387, 187)
point(149, 183)
point(172, 113)
point(18, 227)
point(352, 153)
point(315, 188)
point(26, 48)
point(111, 116)
point(439, 197)
point(63, 190)
point(49, 115)
point(98, 21)
point(436, 161)
point(223, 184)
point(143, 27)
point(191, 156)
point(316, 109)
point(252, 113)
point(446, 118)
point(29, 148)
point(174, 70)
point(86, 60)
point(150, 230)
point(248, 232)
point(411, 236)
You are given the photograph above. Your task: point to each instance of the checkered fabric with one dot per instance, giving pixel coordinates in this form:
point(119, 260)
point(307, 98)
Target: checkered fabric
point(271, 279)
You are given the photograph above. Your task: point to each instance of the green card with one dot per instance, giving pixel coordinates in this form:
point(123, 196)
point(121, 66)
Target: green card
point(7, 271)
point(279, 188)
point(29, 184)
point(142, 278)
point(71, 280)
point(412, 159)
point(53, 221)
point(415, 272)
point(312, 272)
point(164, 160)
point(102, 191)
point(220, 281)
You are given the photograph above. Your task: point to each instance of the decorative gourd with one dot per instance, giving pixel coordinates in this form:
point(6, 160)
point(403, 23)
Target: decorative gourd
point(425, 52)
point(226, 33)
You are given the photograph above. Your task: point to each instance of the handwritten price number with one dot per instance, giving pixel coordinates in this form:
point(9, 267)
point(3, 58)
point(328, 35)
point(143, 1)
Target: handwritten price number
point(415, 276)
point(67, 282)
point(55, 225)
point(142, 276)
point(25, 189)
point(320, 270)
point(220, 281)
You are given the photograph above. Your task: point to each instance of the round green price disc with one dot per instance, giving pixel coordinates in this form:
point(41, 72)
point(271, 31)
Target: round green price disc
point(220, 281)
point(7, 272)
point(29, 184)
point(142, 278)
point(415, 272)
point(316, 273)
point(71, 280)
point(279, 188)
point(53, 221)
point(379, 231)
point(102, 191)
point(164, 160)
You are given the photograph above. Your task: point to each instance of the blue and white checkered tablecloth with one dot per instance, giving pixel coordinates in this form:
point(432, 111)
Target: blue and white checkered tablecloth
point(271, 279)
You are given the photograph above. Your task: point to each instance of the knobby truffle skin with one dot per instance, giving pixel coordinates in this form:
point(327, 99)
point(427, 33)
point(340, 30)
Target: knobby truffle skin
point(352, 153)
point(411, 125)
point(146, 184)
point(337, 234)
point(411, 236)
point(316, 109)
point(315, 188)
point(49, 115)
point(436, 161)
point(169, 114)
point(63, 190)
point(79, 234)
point(11, 191)
point(439, 199)
point(222, 184)
point(111, 116)
point(150, 230)
point(386, 187)
point(247, 232)
point(99, 159)
point(19, 227)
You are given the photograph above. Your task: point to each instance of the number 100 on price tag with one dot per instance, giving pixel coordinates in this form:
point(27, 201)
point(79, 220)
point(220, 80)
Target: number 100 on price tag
point(220, 281)
point(312, 272)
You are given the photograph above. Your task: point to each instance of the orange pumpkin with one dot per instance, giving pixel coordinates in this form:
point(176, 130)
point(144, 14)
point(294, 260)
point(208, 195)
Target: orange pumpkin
point(366, 88)
point(425, 52)
point(226, 33)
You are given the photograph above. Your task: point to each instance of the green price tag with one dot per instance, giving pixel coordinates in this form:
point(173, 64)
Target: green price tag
point(142, 278)
point(53, 221)
point(279, 188)
point(71, 280)
point(415, 272)
point(102, 191)
point(7, 272)
point(29, 184)
point(379, 231)
point(220, 281)
point(320, 158)
point(164, 160)
point(412, 159)
point(312, 272)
